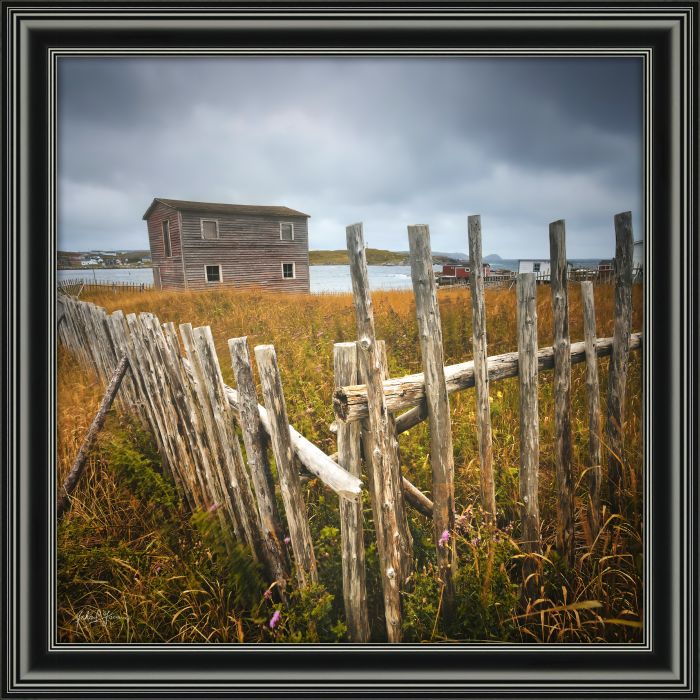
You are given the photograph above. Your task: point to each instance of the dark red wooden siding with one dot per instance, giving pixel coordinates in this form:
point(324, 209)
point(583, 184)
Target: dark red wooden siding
point(171, 274)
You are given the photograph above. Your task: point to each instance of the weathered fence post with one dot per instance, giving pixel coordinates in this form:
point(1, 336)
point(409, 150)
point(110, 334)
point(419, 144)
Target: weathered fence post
point(529, 424)
point(236, 476)
point(351, 525)
point(202, 451)
point(302, 546)
point(395, 554)
point(214, 437)
point(617, 373)
point(562, 391)
point(481, 379)
point(441, 453)
point(257, 457)
point(593, 396)
point(76, 471)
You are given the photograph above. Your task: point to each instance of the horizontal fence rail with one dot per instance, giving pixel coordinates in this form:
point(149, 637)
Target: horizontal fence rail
point(350, 402)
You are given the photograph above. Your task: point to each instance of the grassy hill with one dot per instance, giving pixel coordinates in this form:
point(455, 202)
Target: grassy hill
point(375, 256)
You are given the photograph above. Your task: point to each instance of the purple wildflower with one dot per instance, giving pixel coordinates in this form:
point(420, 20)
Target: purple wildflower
point(475, 541)
point(444, 538)
point(275, 619)
point(267, 594)
point(214, 507)
point(287, 539)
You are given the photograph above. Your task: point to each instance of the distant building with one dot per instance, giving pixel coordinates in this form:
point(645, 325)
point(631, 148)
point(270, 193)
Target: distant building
point(200, 245)
point(459, 274)
point(541, 268)
point(638, 255)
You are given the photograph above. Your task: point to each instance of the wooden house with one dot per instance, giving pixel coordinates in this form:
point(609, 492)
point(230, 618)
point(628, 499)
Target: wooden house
point(200, 245)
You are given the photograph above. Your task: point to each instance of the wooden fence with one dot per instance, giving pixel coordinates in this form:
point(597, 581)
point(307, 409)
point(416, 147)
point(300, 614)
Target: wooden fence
point(196, 421)
point(75, 287)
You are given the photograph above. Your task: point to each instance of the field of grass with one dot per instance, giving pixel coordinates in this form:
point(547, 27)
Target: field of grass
point(134, 565)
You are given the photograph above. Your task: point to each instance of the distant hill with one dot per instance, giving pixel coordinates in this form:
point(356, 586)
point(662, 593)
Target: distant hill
point(375, 256)
point(493, 258)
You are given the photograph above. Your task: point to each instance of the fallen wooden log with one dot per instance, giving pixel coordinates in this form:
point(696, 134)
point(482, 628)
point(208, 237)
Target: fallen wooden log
point(350, 402)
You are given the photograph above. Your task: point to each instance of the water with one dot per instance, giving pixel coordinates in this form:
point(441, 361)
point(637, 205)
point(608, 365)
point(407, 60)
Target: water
point(336, 278)
point(324, 278)
point(141, 275)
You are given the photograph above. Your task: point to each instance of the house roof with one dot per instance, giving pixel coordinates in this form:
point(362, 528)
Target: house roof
point(212, 207)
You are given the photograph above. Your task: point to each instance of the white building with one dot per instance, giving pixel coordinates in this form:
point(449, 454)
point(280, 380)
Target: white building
point(539, 267)
point(638, 255)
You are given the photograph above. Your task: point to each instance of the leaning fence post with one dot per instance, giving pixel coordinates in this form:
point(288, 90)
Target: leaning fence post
point(257, 457)
point(302, 546)
point(441, 453)
point(562, 391)
point(214, 438)
point(593, 396)
point(98, 421)
point(481, 379)
point(529, 424)
point(617, 372)
point(236, 476)
point(395, 546)
point(351, 526)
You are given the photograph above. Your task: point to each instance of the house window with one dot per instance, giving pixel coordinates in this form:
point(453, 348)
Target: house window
point(535, 267)
point(288, 271)
point(286, 232)
point(212, 273)
point(210, 229)
point(166, 239)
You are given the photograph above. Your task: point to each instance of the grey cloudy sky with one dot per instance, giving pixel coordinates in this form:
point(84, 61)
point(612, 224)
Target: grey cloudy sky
point(389, 142)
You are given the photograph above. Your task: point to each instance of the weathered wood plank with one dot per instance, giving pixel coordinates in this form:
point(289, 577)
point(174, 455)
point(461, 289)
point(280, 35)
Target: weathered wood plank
point(529, 424)
point(566, 542)
point(204, 452)
point(617, 373)
point(139, 362)
point(214, 437)
point(176, 434)
point(188, 428)
point(593, 400)
point(351, 524)
point(236, 476)
point(175, 444)
point(253, 439)
point(385, 457)
point(481, 378)
point(290, 486)
point(441, 451)
point(350, 402)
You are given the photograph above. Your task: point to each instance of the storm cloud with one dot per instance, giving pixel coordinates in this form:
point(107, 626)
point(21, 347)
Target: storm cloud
point(386, 141)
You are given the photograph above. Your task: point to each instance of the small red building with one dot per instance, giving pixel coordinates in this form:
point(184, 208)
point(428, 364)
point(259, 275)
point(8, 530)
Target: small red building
point(456, 274)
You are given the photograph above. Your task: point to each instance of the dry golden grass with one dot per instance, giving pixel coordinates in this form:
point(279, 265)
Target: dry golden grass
point(598, 601)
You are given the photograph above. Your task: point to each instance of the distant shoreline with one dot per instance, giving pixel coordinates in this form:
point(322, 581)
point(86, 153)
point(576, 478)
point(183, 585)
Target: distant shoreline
point(118, 267)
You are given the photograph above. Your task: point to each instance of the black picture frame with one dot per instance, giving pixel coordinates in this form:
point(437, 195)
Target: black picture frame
point(665, 35)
